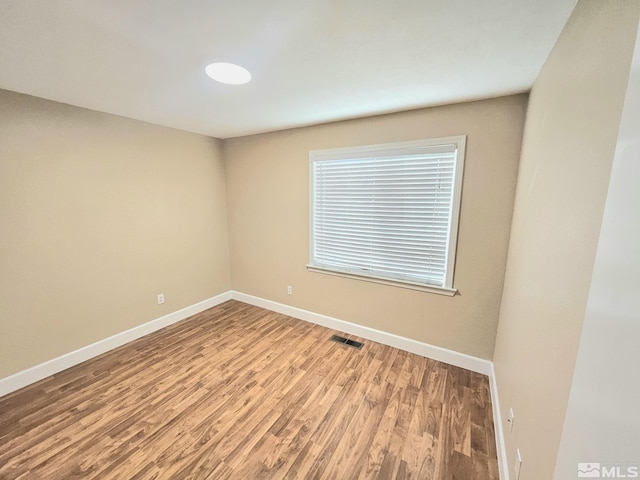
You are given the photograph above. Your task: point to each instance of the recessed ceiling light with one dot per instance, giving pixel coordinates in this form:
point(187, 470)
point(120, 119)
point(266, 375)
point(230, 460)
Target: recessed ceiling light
point(228, 73)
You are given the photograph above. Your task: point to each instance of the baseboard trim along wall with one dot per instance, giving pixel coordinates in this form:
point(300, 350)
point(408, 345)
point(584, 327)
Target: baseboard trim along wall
point(34, 374)
point(501, 448)
point(419, 348)
point(51, 367)
point(437, 353)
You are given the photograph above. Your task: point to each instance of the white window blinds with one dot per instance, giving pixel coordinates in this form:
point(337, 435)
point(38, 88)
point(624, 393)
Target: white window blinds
point(388, 211)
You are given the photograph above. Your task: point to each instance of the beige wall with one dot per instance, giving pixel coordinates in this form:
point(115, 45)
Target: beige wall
point(98, 214)
point(268, 194)
point(601, 422)
point(570, 138)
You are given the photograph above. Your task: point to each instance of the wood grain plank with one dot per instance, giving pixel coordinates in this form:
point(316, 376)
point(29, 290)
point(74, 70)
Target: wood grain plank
point(240, 392)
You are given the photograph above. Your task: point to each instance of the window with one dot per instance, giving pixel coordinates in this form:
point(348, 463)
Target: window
point(388, 213)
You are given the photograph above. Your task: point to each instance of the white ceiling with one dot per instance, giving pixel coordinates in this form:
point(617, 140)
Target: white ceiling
point(312, 61)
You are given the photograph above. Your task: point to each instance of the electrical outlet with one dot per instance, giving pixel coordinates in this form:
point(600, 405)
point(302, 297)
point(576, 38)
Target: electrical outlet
point(289, 290)
point(510, 419)
point(518, 463)
point(161, 299)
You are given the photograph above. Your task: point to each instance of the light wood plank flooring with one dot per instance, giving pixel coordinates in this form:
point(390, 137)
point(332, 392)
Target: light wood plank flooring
point(241, 392)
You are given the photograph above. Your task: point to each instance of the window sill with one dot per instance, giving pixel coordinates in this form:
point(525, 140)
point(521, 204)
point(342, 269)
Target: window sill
point(449, 292)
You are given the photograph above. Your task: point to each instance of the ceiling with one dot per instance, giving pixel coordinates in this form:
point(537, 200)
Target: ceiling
point(312, 61)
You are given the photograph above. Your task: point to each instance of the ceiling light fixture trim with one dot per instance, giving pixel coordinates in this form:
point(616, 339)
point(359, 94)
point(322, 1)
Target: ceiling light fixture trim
point(229, 73)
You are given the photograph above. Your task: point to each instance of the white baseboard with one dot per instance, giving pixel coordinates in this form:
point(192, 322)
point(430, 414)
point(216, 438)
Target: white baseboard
point(424, 349)
point(503, 465)
point(51, 367)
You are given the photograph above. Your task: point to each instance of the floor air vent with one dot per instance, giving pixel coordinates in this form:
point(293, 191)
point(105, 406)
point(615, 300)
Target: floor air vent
point(346, 341)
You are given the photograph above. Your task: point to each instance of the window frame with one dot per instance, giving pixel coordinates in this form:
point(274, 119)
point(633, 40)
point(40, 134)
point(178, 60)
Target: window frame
point(395, 149)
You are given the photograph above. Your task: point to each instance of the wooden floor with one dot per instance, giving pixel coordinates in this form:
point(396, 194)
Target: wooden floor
point(240, 392)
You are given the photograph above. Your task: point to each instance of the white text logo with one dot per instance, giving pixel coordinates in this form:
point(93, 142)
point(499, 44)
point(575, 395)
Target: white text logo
point(607, 470)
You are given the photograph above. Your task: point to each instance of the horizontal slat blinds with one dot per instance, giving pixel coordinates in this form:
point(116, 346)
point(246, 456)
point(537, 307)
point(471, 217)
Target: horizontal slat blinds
point(386, 213)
